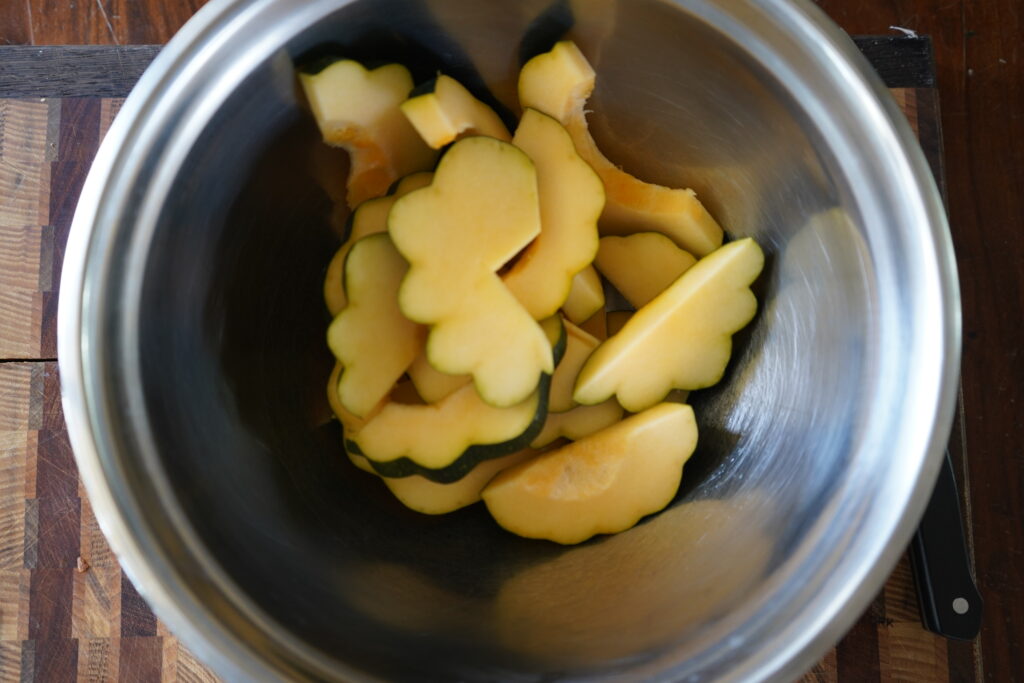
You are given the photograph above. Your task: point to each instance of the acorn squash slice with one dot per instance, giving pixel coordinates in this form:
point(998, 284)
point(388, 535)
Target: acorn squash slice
point(358, 109)
point(444, 441)
point(432, 384)
point(571, 199)
point(579, 422)
point(369, 218)
point(643, 265)
point(442, 111)
point(579, 344)
point(680, 340)
point(370, 337)
point(432, 498)
point(558, 83)
point(603, 483)
point(586, 296)
point(479, 212)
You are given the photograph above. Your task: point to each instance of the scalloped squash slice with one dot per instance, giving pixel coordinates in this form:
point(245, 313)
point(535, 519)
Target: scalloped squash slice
point(680, 340)
point(479, 212)
point(643, 265)
point(602, 484)
point(579, 344)
point(358, 109)
point(369, 218)
point(432, 384)
point(444, 441)
point(432, 498)
point(558, 83)
point(586, 296)
point(442, 111)
point(579, 422)
point(371, 338)
point(571, 199)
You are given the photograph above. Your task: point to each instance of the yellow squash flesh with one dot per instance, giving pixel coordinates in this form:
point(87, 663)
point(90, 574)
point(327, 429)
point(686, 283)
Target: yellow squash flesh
point(586, 296)
point(603, 483)
point(370, 337)
point(358, 109)
point(571, 199)
point(435, 435)
point(680, 340)
point(558, 83)
point(578, 347)
point(450, 112)
point(643, 265)
point(433, 498)
point(481, 210)
point(369, 218)
point(432, 384)
point(579, 422)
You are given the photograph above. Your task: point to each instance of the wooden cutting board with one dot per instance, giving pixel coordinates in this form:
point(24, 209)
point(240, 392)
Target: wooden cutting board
point(66, 610)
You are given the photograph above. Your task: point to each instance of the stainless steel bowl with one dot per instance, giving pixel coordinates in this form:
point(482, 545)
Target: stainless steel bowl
point(193, 363)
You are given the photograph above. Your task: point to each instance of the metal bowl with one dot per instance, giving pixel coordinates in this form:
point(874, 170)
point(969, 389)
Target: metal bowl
point(193, 361)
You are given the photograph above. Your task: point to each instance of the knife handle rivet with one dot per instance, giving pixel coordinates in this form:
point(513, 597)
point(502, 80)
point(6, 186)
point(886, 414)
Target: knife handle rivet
point(960, 605)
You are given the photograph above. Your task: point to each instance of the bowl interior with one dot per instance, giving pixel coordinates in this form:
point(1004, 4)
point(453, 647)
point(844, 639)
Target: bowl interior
point(231, 328)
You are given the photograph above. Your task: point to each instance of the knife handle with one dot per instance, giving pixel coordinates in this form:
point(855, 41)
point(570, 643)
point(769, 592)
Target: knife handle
point(950, 602)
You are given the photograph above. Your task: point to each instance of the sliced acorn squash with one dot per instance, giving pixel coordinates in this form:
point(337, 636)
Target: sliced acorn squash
point(480, 210)
point(369, 218)
point(680, 340)
point(358, 109)
point(579, 344)
point(442, 111)
point(643, 265)
point(579, 422)
point(571, 199)
point(558, 83)
point(370, 337)
point(444, 441)
point(586, 296)
point(432, 498)
point(602, 484)
point(432, 384)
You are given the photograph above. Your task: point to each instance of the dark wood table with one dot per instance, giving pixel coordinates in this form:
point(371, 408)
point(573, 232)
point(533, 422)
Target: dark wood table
point(57, 623)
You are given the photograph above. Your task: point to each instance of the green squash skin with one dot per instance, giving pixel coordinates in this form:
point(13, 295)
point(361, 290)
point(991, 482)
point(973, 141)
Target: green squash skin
point(475, 454)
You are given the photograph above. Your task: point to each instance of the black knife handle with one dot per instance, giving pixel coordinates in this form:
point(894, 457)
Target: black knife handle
point(950, 601)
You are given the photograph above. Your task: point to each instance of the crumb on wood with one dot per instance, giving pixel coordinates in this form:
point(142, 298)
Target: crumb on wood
point(81, 565)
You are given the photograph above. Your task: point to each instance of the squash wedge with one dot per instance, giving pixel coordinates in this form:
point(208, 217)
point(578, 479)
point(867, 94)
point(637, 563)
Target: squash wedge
point(579, 345)
point(432, 384)
point(444, 441)
point(643, 265)
point(586, 296)
point(442, 111)
point(479, 212)
point(680, 340)
point(369, 218)
point(358, 109)
point(431, 498)
point(571, 199)
point(603, 483)
point(558, 83)
point(371, 338)
point(579, 422)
